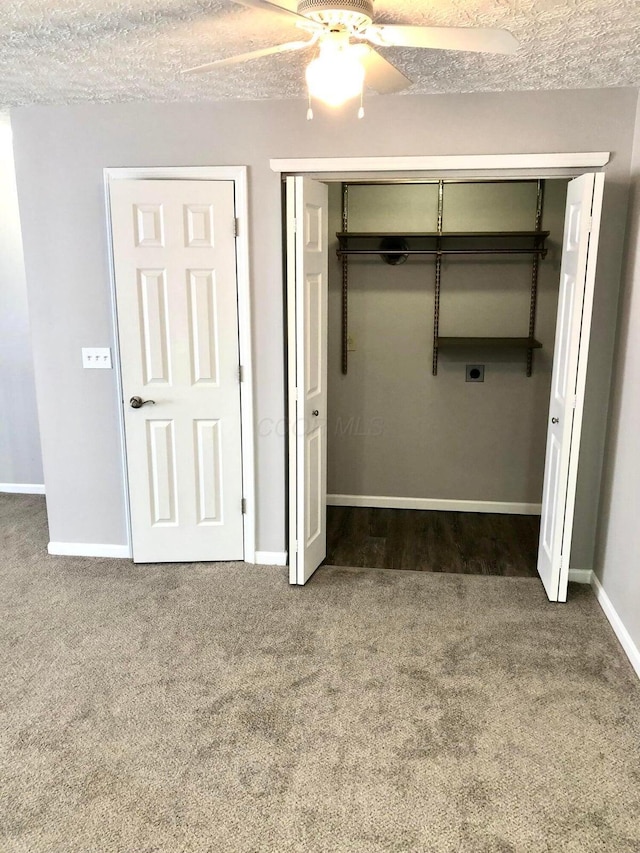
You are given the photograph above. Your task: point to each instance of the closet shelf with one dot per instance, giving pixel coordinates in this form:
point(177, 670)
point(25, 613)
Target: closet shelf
point(499, 343)
point(394, 247)
point(443, 243)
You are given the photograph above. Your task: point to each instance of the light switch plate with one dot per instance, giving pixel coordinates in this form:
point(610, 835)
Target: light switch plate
point(96, 357)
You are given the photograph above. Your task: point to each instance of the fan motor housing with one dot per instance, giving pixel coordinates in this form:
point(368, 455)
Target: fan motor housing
point(351, 13)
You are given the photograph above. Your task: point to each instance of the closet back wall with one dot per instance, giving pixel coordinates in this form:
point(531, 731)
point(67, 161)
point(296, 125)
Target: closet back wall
point(396, 430)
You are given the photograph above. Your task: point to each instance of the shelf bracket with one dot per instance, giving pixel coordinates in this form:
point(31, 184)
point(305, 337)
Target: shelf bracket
point(533, 303)
point(345, 283)
point(436, 290)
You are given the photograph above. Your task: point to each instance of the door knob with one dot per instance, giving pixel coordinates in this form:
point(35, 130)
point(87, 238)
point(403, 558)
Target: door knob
point(315, 413)
point(138, 402)
point(555, 420)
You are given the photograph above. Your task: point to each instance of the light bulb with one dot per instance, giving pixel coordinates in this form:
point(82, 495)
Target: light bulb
point(335, 76)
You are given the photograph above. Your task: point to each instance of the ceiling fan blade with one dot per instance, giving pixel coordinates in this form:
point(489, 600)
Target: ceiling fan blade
point(379, 74)
point(254, 54)
point(267, 6)
point(475, 39)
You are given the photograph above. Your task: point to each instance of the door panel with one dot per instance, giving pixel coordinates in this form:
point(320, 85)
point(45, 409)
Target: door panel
point(307, 292)
point(176, 294)
point(315, 447)
point(149, 225)
point(154, 325)
point(199, 225)
point(565, 312)
point(162, 472)
point(203, 326)
point(209, 472)
point(313, 338)
point(550, 509)
point(575, 302)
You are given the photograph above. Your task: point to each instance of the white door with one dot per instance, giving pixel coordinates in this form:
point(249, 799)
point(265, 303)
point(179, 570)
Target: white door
point(575, 302)
point(176, 294)
point(307, 294)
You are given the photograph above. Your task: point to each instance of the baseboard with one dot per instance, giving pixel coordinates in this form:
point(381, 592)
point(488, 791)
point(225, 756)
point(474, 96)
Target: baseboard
point(506, 507)
point(629, 647)
point(271, 558)
point(22, 488)
point(88, 549)
point(580, 575)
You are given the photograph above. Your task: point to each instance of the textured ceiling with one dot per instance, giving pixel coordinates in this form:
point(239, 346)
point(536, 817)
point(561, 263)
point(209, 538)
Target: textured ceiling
point(63, 51)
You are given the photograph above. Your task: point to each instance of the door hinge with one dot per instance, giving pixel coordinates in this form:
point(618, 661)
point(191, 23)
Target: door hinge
point(240, 373)
point(575, 401)
point(236, 226)
point(590, 224)
point(243, 504)
point(296, 546)
point(295, 225)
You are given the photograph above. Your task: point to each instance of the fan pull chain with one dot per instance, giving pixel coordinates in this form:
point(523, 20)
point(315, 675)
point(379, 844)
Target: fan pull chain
point(361, 110)
point(309, 111)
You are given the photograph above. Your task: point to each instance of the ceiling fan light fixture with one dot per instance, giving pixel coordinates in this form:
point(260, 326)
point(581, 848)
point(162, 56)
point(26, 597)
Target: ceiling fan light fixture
point(335, 76)
point(353, 14)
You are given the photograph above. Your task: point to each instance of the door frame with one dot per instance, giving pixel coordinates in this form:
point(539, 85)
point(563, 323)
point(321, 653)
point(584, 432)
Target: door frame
point(507, 166)
point(239, 176)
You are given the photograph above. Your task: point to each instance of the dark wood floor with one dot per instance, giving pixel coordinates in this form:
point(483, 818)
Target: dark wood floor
point(460, 542)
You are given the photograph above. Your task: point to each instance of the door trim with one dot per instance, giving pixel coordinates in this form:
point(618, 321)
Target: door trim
point(586, 160)
point(239, 175)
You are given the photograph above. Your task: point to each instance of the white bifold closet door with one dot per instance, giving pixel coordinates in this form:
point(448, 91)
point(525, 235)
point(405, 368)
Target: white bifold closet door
point(307, 296)
point(176, 297)
point(575, 302)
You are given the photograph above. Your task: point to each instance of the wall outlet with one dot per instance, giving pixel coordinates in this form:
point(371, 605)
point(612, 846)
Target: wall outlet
point(96, 357)
point(475, 373)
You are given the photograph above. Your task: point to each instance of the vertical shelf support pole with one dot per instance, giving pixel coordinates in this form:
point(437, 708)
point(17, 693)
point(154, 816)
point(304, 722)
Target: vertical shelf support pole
point(534, 276)
point(436, 293)
point(345, 283)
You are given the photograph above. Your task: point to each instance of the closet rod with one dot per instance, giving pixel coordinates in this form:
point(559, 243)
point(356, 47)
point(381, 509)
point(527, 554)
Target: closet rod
point(382, 251)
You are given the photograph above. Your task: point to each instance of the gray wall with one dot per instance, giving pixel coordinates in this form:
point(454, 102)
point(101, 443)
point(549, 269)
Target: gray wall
point(618, 552)
point(20, 457)
point(60, 154)
point(394, 428)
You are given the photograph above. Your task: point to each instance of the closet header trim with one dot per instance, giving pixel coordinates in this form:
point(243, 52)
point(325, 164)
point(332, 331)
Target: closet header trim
point(564, 160)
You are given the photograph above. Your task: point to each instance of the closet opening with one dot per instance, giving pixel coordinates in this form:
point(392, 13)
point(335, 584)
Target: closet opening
point(442, 302)
point(438, 337)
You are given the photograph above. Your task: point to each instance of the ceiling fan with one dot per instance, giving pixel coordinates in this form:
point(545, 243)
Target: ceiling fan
point(347, 39)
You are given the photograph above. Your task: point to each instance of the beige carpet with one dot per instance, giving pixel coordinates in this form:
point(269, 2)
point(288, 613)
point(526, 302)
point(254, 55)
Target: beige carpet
point(210, 707)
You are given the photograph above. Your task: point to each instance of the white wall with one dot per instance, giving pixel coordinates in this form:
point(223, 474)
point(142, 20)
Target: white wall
point(60, 155)
point(20, 457)
point(618, 552)
point(395, 429)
